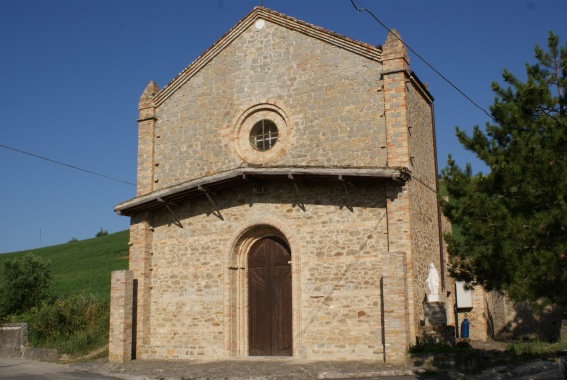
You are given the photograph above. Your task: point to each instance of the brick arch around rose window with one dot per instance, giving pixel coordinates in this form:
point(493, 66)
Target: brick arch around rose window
point(236, 286)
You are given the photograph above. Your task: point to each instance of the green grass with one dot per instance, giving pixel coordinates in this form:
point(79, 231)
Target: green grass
point(83, 266)
point(536, 349)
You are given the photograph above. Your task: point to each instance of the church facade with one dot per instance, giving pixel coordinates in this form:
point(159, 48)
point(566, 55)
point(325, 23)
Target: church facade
point(286, 202)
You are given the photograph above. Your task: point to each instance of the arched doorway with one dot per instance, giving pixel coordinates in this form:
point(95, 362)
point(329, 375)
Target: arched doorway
point(269, 298)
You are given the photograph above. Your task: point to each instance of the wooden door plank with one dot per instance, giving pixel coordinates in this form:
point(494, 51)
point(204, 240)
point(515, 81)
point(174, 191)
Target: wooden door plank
point(269, 298)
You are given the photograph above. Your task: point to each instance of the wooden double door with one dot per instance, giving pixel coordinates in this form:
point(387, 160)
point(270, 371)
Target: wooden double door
point(269, 299)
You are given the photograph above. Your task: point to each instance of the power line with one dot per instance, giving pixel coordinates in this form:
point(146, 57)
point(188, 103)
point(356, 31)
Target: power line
point(364, 9)
point(68, 165)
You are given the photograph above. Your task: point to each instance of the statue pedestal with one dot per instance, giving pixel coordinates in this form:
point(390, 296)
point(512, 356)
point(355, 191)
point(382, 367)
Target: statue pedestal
point(436, 329)
point(435, 314)
point(436, 334)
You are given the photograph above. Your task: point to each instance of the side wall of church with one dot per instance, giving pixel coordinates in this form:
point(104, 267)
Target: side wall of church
point(329, 96)
point(424, 218)
point(337, 267)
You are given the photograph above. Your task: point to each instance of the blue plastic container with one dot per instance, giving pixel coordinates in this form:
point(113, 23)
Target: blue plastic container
point(465, 326)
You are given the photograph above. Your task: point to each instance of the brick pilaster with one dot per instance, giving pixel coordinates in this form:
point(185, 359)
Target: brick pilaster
point(146, 131)
point(120, 333)
point(140, 263)
point(395, 70)
point(394, 308)
point(400, 242)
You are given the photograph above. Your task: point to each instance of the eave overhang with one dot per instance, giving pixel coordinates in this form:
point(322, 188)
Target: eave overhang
point(214, 183)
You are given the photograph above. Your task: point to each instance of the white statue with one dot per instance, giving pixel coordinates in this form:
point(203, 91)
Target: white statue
point(432, 284)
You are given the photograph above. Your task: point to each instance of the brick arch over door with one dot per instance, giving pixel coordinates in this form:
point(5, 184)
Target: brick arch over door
point(236, 289)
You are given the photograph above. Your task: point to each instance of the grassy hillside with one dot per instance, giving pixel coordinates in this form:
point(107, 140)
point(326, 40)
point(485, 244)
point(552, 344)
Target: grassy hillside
point(83, 266)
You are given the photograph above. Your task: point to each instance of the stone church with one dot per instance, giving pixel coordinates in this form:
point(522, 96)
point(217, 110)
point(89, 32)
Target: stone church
point(286, 202)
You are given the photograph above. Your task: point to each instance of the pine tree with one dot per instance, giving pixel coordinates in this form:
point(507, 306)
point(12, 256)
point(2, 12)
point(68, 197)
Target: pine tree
point(511, 223)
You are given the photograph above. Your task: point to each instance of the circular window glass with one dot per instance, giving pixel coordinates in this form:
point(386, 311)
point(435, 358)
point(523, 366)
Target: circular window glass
point(263, 135)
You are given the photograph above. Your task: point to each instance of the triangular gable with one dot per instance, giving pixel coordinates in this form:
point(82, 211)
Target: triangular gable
point(364, 49)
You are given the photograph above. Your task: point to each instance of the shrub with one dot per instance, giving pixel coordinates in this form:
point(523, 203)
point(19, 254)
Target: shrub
point(72, 325)
point(437, 348)
point(464, 345)
point(24, 283)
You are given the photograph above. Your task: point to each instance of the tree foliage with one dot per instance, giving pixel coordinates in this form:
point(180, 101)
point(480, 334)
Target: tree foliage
point(24, 283)
point(512, 233)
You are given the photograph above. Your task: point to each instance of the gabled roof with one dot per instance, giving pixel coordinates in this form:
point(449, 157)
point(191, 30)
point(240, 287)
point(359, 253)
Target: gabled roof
point(364, 49)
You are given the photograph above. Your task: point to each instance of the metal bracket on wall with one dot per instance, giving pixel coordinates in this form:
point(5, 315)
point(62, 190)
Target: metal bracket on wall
point(300, 204)
point(208, 193)
point(168, 207)
point(347, 194)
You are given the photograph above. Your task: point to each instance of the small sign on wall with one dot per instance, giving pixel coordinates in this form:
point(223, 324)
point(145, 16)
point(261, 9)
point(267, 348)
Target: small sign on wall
point(464, 296)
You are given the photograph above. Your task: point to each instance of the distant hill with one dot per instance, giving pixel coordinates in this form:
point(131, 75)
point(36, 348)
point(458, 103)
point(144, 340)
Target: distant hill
point(83, 266)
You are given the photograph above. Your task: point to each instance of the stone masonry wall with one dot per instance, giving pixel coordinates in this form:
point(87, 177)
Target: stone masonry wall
point(424, 216)
point(477, 317)
point(451, 299)
point(420, 136)
point(337, 254)
point(330, 98)
point(507, 320)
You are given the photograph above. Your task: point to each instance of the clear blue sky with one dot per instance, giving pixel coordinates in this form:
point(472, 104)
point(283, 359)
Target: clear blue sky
point(72, 71)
